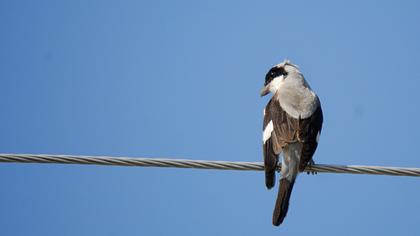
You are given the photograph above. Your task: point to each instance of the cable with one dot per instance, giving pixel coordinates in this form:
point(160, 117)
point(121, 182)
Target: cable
point(198, 164)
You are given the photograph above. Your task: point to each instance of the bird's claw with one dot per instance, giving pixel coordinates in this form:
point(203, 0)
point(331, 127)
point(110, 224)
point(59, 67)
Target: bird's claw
point(310, 163)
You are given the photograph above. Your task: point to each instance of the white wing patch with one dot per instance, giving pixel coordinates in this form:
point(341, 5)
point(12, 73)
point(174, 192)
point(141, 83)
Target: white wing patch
point(267, 131)
point(317, 137)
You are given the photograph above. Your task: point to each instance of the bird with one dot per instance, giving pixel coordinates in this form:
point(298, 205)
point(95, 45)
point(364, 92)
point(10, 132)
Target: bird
point(292, 125)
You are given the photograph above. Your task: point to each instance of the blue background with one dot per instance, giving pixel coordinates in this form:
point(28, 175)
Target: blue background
point(181, 79)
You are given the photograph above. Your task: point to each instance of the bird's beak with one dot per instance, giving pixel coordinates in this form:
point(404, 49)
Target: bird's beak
point(264, 91)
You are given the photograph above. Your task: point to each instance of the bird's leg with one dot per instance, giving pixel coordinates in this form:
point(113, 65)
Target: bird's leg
point(310, 163)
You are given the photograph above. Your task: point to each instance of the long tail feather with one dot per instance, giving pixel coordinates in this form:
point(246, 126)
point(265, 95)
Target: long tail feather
point(282, 202)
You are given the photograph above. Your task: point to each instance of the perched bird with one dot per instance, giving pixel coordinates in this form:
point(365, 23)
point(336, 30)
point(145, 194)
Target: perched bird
point(292, 125)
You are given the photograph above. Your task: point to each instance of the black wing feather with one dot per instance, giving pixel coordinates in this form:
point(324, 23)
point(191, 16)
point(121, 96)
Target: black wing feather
point(270, 156)
point(310, 128)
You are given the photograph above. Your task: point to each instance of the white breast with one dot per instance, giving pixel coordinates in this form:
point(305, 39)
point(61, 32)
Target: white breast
point(296, 98)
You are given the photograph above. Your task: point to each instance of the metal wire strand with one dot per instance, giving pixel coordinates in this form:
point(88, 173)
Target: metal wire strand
point(198, 164)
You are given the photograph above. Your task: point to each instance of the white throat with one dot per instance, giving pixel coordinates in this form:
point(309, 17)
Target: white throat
point(275, 84)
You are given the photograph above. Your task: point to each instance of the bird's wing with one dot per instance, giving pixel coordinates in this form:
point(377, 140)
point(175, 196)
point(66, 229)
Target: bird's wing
point(278, 130)
point(270, 154)
point(284, 126)
point(309, 132)
point(286, 129)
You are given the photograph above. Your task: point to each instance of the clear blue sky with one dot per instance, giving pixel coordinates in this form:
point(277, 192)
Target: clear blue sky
point(181, 79)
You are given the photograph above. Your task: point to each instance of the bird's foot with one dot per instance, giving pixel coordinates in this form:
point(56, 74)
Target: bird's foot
point(310, 163)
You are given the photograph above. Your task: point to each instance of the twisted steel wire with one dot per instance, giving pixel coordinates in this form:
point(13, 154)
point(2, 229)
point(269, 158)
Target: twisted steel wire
point(199, 164)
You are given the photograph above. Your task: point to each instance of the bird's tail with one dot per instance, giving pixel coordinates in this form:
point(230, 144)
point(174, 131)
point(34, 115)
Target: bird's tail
point(282, 202)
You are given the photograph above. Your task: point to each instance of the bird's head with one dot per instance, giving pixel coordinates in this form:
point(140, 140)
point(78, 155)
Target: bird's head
point(277, 75)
